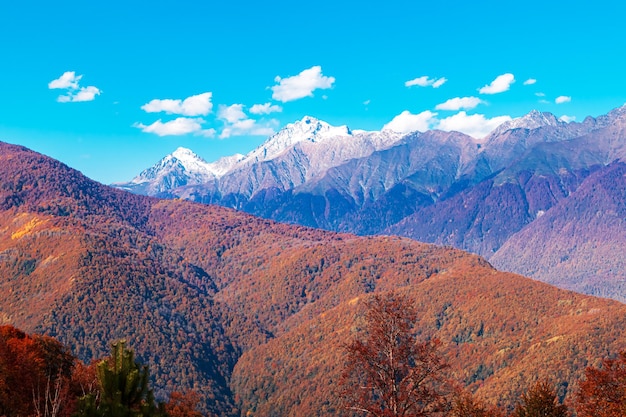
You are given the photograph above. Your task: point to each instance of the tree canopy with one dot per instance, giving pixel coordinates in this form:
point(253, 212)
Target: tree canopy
point(388, 371)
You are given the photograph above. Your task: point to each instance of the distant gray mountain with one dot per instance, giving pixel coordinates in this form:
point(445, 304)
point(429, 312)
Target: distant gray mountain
point(180, 168)
point(532, 120)
point(579, 243)
point(297, 153)
point(441, 187)
point(546, 167)
point(366, 194)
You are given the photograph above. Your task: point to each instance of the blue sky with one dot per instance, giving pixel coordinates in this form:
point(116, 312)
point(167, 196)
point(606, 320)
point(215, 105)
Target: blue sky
point(111, 87)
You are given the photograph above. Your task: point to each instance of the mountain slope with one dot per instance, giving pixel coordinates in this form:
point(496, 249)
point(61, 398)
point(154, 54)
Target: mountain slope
point(533, 120)
point(483, 217)
point(579, 244)
point(499, 333)
point(438, 187)
point(366, 194)
point(78, 261)
point(250, 312)
point(294, 156)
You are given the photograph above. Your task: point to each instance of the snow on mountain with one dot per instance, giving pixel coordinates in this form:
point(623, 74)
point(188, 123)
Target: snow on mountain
point(191, 162)
point(182, 159)
point(181, 167)
point(303, 150)
point(327, 154)
point(532, 120)
point(308, 129)
point(224, 165)
point(299, 152)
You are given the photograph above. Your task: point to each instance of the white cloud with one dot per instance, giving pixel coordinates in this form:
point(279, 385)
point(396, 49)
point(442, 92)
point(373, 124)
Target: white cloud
point(441, 81)
point(530, 81)
point(86, 94)
point(237, 123)
point(367, 102)
point(83, 94)
point(540, 94)
point(501, 84)
point(567, 119)
point(198, 105)
point(475, 125)
point(69, 79)
point(266, 108)
point(301, 85)
point(424, 81)
point(459, 103)
point(407, 122)
point(232, 113)
point(207, 133)
point(75, 93)
point(562, 99)
point(177, 127)
point(249, 127)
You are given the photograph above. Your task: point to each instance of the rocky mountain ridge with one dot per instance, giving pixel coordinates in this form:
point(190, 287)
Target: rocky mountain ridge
point(440, 187)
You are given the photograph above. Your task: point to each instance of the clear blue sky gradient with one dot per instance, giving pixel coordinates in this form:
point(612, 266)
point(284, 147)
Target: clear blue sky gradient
point(134, 52)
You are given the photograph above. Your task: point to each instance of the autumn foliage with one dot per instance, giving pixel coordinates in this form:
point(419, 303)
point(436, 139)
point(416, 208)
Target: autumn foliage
point(466, 405)
point(39, 377)
point(35, 375)
point(603, 391)
point(540, 401)
point(389, 373)
point(252, 314)
point(183, 404)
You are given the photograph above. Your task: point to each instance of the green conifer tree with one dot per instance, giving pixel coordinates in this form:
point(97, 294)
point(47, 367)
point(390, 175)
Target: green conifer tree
point(124, 389)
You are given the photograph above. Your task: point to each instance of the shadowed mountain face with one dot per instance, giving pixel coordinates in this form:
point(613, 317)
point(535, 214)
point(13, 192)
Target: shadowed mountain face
point(578, 244)
point(252, 313)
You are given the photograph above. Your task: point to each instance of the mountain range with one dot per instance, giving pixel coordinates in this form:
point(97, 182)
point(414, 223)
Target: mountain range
point(482, 195)
point(252, 313)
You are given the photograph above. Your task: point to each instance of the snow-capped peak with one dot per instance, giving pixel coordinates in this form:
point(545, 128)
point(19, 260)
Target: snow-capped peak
point(189, 160)
point(184, 154)
point(180, 163)
point(532, 120)
point(308, 129)
point(195, 165)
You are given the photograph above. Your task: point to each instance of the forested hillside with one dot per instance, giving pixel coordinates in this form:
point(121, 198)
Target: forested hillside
point(252, 313)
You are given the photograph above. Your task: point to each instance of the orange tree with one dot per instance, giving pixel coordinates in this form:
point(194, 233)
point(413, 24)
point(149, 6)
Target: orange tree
point(540, 401)
point(603, 391)
point(34, 375)
point(389, 372)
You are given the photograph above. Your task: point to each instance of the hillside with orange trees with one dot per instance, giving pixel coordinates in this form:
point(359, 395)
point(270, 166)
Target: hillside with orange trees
point(252, 313)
